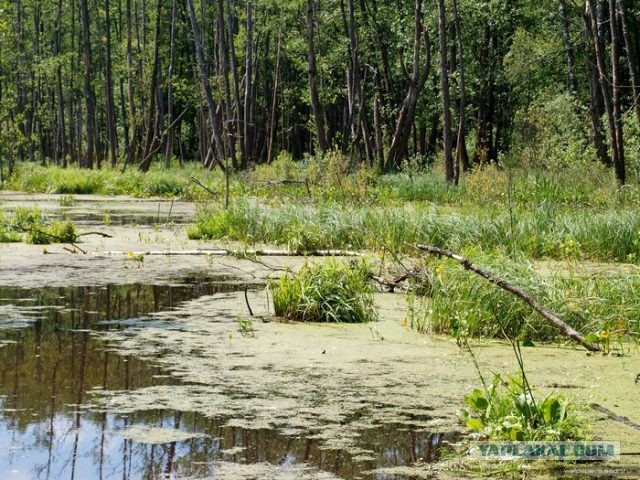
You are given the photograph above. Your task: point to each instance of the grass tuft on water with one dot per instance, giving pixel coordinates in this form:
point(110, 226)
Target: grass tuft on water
point(328, 292)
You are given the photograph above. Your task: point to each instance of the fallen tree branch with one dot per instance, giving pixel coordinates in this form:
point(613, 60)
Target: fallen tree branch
point(102, 234)
point(201, 185)
point(517, 291)
point(236, 253)
point(396, 282)
point(55, 237)
point(614, 416)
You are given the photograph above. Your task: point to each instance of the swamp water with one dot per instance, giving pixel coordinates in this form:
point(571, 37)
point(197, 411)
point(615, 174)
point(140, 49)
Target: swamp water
point(68, 408)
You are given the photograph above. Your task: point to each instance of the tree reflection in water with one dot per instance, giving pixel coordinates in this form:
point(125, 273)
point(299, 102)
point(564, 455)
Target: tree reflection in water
point(52, 362)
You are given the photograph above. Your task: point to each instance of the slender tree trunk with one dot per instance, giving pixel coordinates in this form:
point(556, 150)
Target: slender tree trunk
point(153, 141)
point(171, 129)
point(377, 128)
point(274, 101)
point(604, 82)
point(632, 58)
point(110, 104)
point(239, 116)
point(133, 139)
point(249, 138)
point(618, 164)
point(444, 86)
point(61, 138)
point(358, 117)
point(218, 148)
point(569, 48)
point(89, 95)
point(316, 108)
point(223, 54)
point(415, 84)
point(596, 110)
point(462, 155)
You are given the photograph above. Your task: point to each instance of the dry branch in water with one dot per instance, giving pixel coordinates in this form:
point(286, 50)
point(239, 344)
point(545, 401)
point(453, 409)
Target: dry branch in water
point(517, 291)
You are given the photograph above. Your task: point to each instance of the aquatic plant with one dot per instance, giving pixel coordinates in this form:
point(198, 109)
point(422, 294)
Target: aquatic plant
point(67, 200)
point(327, 292)
point(509, 410)
point(32, 222)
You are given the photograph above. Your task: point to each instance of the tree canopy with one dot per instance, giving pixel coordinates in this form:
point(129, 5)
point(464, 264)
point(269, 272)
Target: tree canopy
point(232, 83)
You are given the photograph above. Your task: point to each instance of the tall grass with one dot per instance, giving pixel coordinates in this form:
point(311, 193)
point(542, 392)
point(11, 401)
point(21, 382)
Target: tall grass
point(328, 292)
point(156, 182)
point(542, 232)
point(463, 304)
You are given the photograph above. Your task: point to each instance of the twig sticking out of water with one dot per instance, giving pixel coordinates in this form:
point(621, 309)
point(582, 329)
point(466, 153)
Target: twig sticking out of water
point(246, 299)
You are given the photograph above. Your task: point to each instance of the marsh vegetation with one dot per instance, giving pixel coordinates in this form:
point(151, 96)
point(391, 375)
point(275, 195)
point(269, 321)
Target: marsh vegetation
point(506, 133)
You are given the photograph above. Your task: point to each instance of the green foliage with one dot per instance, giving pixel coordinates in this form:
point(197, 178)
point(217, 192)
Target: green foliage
point(465, 305)
point(63, 231)
point(632, 146)
point(57, 232)
point(507, 410)
point(24, 217)
point(7, 232)
point(551, 135)
point(328, 292)
point(32, 222)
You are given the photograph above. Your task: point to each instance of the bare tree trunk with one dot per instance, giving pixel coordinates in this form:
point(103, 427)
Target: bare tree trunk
point(603, 80)
point(218, 152)
point(153, 142)
point(171, 129)
point(632, 58)
point(377, 128)
point(133, 140)
point(88, 88)
point(274, 101)
point(618, 164)
point(239, 117)
point(462, 155)
point(61, 138)
point(110, 104)
point(415, 84)
point(596, 110)
point(313, 88)
point(569, 48)
point(357, 114)
point(223, 54)
point(444, 86)
point(248, 87)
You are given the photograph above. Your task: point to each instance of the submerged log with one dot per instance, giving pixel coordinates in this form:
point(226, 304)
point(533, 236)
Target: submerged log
point(566, 330)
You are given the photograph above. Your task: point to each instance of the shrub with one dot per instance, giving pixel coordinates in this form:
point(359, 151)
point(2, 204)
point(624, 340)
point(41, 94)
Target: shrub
point(329, 292)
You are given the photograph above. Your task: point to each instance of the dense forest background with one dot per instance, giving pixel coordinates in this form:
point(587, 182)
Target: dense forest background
point(233, 83)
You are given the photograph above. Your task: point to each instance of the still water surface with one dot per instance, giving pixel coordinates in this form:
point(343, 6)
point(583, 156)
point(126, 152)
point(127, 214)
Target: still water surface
point(54, 363)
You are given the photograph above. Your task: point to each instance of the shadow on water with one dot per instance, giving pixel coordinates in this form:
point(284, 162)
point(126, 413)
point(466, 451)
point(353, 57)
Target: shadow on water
point(53, 361)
